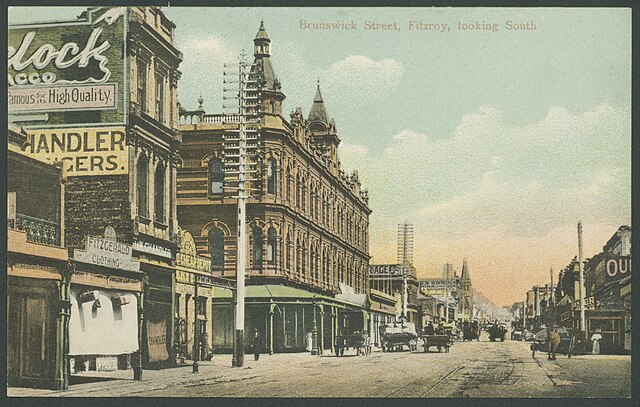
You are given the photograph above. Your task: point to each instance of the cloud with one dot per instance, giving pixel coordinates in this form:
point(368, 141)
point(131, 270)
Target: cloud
point(500, 192)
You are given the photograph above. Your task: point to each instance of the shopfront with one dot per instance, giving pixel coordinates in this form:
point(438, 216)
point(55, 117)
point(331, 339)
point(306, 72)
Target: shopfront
point(285, 317)
point(37, 314)
point(156, 262)
point(106, 291)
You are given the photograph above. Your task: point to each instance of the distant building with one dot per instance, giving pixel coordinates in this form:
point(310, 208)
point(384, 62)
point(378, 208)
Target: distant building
point(466, 293)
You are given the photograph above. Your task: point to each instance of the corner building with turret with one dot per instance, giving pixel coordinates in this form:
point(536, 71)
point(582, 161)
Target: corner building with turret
point(307, 221)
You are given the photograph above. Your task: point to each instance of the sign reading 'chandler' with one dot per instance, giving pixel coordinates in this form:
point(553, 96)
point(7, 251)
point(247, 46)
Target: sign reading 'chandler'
point(72, 65)
point(89, 151)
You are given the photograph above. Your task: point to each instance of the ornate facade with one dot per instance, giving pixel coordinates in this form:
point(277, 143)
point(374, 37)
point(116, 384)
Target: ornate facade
point(307, 222)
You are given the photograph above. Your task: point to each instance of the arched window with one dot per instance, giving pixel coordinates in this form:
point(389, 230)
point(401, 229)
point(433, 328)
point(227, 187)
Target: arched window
point(216, 249)
point(288, 255)
point(272, 177)
point(298, 189)
point(289, 180)
point(216, 176)
point(271, 246)
point(257, 247)
point(159, 196)
point(304, 195)
point(143, 186)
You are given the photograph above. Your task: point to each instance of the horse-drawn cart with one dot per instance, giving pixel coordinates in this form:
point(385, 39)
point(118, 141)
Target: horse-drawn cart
point(360, 342)
point(439, 341)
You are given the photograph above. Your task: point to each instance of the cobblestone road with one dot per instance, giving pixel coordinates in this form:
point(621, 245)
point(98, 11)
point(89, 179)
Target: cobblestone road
point(471, 369)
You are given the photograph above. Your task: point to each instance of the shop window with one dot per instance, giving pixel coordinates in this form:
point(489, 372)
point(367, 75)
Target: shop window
point(271, 246)
point(143, 186)
point(216, 176)
point(257, 247)
point(201, 305)
point(216, 248)
point(272, 177)
point(159, 193)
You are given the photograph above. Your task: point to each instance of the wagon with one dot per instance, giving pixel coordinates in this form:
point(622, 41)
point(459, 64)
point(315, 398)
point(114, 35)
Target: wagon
point(360, 342)
point(440, 341)
point(396, 335)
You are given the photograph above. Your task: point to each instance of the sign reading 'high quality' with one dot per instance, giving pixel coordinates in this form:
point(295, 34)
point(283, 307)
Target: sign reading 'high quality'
point(80, 97)
point(88, 151)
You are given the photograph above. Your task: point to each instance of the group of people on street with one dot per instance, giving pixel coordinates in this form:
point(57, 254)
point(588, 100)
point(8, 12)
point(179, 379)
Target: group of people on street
point(437, 330)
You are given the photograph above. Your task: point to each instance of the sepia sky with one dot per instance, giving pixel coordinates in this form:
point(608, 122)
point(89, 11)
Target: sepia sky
point(493, 144)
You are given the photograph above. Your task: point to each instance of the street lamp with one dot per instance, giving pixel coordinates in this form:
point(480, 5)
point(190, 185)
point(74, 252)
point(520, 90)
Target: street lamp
point(314, 330)
point(195, 329)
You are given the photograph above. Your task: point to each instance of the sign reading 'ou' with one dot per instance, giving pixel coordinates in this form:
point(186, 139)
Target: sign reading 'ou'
point(70, 65)
point(618, 267)
point(83, 151)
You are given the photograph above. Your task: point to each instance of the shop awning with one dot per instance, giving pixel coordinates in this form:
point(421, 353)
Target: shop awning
point(280, 292)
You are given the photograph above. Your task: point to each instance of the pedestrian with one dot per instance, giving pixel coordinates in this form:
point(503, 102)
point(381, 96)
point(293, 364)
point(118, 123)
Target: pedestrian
point(595, 338)
point(257, 344)
point(554, 343)
point(428, 330)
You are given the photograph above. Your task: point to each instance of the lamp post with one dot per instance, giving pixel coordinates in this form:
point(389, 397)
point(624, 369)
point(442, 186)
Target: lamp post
point(314, 331)
point(196, 351)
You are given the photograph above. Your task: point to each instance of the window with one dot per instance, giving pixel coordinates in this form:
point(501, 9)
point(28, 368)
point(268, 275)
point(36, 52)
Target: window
point(271, 246)
point(142, 86)
point(216, 248)
point(143, 186)
point(288, 255)
point(216, 176)
point(159, 193)
point(257, 247)
point(272, 177)
point(160, 97)
point(298, 188)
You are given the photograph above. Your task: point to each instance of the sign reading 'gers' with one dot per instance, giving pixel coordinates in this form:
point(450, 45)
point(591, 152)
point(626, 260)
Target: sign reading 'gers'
point(87, 151)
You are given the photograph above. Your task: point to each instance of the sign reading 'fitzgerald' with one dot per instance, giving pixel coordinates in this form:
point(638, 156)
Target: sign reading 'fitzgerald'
point(88, 151)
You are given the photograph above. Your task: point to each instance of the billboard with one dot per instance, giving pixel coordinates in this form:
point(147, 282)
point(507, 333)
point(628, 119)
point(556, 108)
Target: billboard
point(84, 151)
point(68, 73)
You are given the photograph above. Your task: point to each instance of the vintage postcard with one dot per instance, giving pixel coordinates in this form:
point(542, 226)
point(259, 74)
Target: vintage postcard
point(319, 202)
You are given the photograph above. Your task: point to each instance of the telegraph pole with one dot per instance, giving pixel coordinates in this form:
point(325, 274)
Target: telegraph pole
point(405, 257)
point(583, 325)
point(552, 298)
point(241, 149)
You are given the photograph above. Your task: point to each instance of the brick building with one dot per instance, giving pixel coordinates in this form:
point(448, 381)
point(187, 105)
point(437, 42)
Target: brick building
point(37, 270)
point(307, 224)
point(110, 115)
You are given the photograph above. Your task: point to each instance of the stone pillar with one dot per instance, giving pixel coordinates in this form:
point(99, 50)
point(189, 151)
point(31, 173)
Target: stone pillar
point(321, 347)
point(271, 310)
point(136, 359)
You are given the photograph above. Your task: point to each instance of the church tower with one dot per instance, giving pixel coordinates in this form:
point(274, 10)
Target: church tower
point(272, 95)
point(322, 130)
point(466, 293)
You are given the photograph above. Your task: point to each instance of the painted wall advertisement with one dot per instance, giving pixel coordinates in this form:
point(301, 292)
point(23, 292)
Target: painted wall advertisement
point(68, 66)
point(84, 151)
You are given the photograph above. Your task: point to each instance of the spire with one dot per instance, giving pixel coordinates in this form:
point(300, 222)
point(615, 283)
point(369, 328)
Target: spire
point(262, 33)
point(465, 271)
point(318, 111)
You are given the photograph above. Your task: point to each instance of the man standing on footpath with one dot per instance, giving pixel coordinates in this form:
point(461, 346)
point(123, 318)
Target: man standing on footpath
point(257, 344)
point(554, 343)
